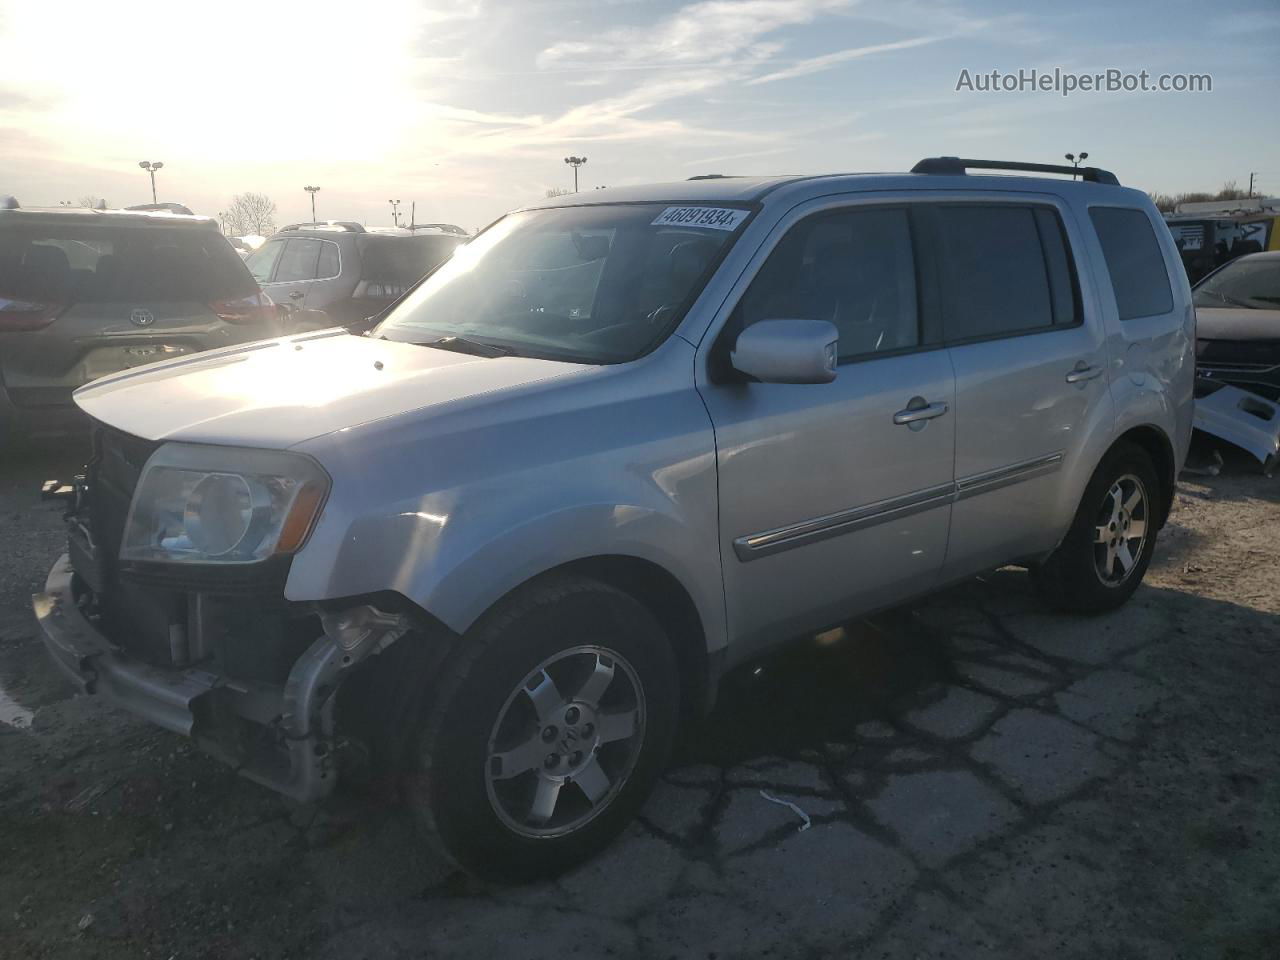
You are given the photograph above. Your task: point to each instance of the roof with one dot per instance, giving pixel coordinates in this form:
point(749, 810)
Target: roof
point(716, 190)
point(738, 190)
point(115, 217)
point(1245, 205)
point(419, 231)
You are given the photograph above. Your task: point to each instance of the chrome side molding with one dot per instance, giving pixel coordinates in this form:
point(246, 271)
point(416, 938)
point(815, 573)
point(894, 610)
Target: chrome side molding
point(756, 545)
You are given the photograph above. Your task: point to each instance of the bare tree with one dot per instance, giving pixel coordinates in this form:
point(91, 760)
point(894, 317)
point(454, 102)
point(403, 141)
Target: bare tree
point(1168, 202)
point(250, 213)
point(557, 192)
point(90, 201)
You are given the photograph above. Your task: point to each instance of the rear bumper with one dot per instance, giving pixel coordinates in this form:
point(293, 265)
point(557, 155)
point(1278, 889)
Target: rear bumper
point(298, 761)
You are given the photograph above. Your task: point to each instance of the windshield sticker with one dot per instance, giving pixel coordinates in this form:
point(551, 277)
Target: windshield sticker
point(710, 218)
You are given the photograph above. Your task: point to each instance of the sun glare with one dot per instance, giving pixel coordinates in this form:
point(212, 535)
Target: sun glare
point(210, 85)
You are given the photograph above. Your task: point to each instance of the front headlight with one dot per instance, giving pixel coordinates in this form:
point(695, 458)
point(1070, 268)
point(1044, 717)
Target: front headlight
point(203, 504)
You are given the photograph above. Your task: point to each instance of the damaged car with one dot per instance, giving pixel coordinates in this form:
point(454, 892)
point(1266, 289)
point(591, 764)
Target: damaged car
point(504, 545)
point(1238, 324)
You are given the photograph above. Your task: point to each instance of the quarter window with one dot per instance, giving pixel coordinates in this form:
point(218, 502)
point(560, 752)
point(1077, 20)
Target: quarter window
point(854, 268)
point(1005, 270)
point(327, 268)
point(1134, 261)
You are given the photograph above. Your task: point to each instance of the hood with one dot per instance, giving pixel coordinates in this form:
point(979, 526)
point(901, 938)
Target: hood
point(1237, 323)
point(278, 393)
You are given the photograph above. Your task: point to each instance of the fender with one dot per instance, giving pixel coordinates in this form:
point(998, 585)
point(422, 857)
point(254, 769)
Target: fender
point(483, 499)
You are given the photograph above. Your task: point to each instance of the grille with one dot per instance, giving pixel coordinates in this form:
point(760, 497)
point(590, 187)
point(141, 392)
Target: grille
point(137, 619)
point(113, 473)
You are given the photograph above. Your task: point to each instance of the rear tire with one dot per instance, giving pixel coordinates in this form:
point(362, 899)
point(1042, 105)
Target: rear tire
point(1105, 554)
point(548, 730)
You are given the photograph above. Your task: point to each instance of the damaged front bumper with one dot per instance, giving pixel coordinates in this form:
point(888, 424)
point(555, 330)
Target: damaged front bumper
point(1241, 418)
point(296, 755)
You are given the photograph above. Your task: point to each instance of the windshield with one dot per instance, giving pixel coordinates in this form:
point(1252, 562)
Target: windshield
point(1243, 283)
point(599, 284)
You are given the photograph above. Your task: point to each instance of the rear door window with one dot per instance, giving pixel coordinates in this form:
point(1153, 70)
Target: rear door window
point(1005, 269)
point(104, 263)
point(299, 260)
point(1134, 261)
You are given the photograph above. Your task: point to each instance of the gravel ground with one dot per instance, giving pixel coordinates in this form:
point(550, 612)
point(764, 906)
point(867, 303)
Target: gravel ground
point(980, 779)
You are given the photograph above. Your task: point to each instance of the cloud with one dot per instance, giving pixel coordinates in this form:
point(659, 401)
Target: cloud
point(829, 60)
point(705, 32)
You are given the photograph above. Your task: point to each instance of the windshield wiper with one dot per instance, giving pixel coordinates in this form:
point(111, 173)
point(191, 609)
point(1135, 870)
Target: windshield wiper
point(463, 345)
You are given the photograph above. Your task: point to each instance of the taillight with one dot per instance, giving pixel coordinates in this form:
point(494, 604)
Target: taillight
point(255, 308)
point(26, 314)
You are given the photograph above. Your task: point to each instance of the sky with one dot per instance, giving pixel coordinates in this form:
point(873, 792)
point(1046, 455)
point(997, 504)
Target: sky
point(469, 108)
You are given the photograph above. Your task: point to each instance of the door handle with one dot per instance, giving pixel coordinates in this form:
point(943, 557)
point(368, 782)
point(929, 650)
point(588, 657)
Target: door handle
point(297, 295)
point(915, 414)
point(1083, 372)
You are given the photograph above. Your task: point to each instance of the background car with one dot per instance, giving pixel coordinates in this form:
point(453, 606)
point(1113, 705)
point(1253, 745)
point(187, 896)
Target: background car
point(345, 270)
point(1238, 324)
point(85, 293)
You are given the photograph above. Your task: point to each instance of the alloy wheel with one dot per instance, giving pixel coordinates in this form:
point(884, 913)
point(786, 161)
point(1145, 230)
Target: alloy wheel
point(565, 742)
point(1120, 533)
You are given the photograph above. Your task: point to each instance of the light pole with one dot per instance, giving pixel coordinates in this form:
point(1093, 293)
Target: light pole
point(575, 162)
point(151, 168)
point(395, 211)
point(313, 191)
point(1076, 161)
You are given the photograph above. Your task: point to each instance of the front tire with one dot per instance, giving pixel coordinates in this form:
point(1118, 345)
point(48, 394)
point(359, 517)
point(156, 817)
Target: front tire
point(549, 728)
point(1105, 554)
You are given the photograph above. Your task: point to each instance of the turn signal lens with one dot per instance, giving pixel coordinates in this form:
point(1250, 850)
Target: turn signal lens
point(306, 507)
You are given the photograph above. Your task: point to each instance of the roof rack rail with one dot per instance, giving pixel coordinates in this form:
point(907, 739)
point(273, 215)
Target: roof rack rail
point(163, 206)
point(712, 176)
point(956, 166)
point(343, 226)
point(446, 227)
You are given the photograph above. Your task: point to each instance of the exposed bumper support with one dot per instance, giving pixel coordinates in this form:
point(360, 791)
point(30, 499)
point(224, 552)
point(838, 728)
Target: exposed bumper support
point(301, 712)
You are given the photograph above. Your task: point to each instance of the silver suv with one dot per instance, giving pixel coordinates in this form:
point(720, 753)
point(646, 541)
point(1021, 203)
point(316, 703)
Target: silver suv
point(616, 445)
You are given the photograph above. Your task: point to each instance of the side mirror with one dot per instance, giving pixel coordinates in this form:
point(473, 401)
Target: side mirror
point(787, 351)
